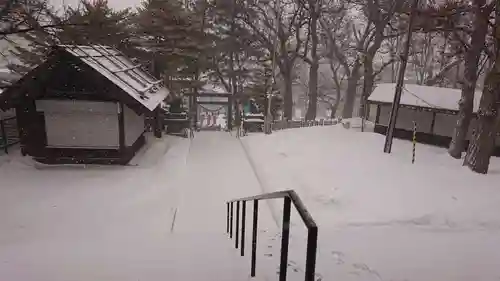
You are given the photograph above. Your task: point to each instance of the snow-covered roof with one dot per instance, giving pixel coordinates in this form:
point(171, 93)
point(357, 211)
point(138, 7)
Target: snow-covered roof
point(7, 76)
point(422, 96)
point(116, 67)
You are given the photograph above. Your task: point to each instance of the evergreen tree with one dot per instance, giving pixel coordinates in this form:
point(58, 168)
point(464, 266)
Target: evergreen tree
point(96, 23)
point(259, 87)
point(93, 23)
point(28, 49)
point(175, 39)
point(239, 61)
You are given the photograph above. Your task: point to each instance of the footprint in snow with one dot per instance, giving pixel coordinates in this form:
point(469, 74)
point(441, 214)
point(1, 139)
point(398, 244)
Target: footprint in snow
point(338, 257)
point(365, 268)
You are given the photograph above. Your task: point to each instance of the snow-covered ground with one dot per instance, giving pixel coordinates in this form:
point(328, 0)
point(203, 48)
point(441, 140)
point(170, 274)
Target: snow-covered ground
point(379, 216)
point(163, 217)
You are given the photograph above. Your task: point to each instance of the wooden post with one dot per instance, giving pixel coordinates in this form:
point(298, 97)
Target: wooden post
point(157, 122)
point(414, 142)
point(433, 122)
point(230, 103)
point(377, 116)
point(121, 127)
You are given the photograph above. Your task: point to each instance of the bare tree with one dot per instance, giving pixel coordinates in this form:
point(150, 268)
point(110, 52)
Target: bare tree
point(313, 8)
point(483, 139)
point(480, 21)
point(379, 14)
point(333, 99)
point(343, 41)
point(356, 40)
point(282, 24)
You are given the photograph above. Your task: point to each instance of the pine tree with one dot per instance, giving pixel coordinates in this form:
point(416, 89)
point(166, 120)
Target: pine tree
point(238, 60)
point(258, 88)
point(94, 23)
point(175, 40)
point(29, 48)
point(97, 23)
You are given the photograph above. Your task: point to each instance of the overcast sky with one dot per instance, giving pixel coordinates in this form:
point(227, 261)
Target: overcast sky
point(117, 4)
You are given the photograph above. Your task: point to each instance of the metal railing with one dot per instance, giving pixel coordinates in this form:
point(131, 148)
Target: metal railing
point(289, 197)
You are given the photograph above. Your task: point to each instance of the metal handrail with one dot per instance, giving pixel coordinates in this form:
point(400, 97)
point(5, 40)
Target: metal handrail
point(289, 196)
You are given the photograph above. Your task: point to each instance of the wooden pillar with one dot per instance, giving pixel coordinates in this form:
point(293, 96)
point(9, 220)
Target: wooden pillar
point(230, 103)
point(377, 116)
point(157, 127)
point(21, 128)
point(194, 102)
point(121, 127)
point(433, 122)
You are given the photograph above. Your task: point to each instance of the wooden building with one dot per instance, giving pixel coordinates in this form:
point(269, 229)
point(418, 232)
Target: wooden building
point(84, 104)
point(433, 109)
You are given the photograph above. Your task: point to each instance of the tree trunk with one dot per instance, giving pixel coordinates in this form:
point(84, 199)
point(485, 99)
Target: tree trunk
point(313, 94)
point(393, 66)
point(287, 95)
point(334, 107)
point(483, 140)
point(368, 81)
point(352, 87)
point(237, 111)
point(314, 66)
point(466, 104)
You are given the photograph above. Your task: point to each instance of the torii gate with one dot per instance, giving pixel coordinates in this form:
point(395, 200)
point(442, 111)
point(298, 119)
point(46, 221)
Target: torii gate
point(211, 97)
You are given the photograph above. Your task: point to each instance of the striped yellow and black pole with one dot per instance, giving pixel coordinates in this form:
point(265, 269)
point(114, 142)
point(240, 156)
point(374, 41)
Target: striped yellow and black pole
point(414, 141)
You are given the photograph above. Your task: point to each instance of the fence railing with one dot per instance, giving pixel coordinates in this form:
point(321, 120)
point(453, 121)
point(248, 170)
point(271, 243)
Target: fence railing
point(281, 125)
point(9, 134)
point(289, 197)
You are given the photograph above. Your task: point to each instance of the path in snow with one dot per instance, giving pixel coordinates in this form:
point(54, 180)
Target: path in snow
point(163, 219)
point(217, 171)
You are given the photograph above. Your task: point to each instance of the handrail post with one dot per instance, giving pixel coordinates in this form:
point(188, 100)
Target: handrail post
point(231, 224)
point(285, 238)
point(237, 224)
point(289, 197)
point(254, 236)
point(227, 218)
point(243, 222)
point(312, 246)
